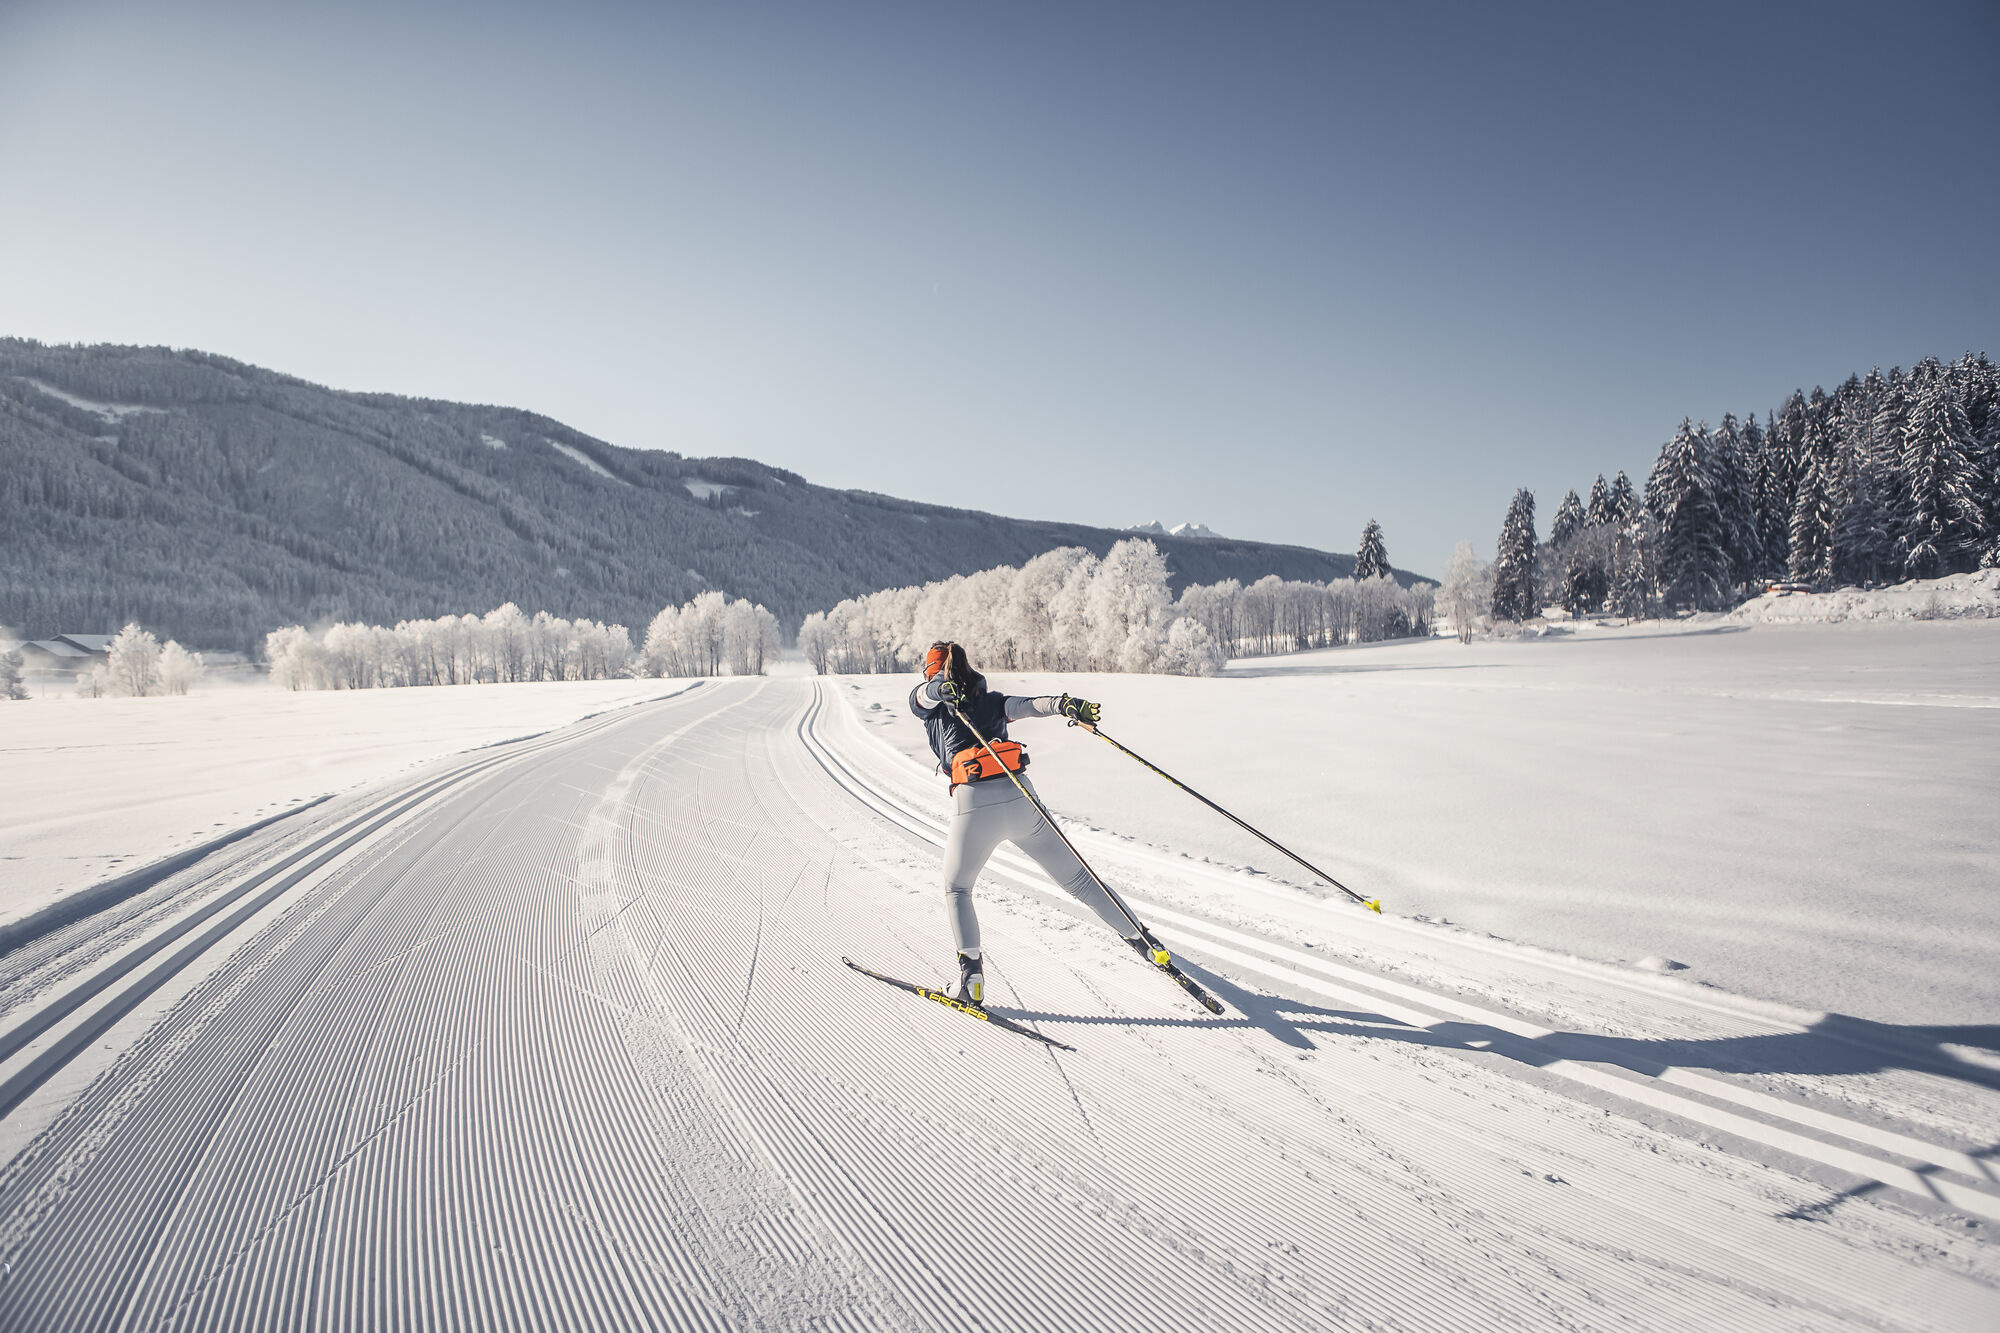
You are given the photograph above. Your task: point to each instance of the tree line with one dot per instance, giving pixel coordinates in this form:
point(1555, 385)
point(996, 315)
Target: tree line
point(1889, 477)
point(501, 647)
point(711, 636)
point(1067, 610)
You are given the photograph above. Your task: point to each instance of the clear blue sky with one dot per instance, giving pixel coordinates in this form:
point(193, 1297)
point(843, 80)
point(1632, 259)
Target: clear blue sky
point(1276, 267)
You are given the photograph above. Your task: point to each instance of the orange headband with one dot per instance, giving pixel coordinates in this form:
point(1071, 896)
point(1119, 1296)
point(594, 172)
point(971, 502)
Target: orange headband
point(936, 661)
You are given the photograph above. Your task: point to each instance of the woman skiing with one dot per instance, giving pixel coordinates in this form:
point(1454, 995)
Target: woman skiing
point(988, 807)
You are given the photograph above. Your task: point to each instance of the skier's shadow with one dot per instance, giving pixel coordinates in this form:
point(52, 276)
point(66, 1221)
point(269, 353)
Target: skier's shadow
point(1288, 1021)
point(1836, 1044)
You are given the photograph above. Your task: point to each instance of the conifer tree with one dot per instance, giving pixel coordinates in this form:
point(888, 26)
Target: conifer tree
point(1943, 520)
point(1632, 581)
point(1865, 486)
point(1777, 487)
point(1735, 491)
point(1569, 521)
point(1372, 559)
point(1624, 504)
point(1693, 558)
point(1815, 499)
point(1514, 563)
point(1599, 511)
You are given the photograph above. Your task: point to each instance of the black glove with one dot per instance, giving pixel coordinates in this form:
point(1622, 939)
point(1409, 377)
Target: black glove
point(951, 692)
point(1079, 710)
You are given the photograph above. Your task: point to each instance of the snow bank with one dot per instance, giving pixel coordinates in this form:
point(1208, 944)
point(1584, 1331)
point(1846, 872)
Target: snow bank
point(90, 788)
point(1955, 597)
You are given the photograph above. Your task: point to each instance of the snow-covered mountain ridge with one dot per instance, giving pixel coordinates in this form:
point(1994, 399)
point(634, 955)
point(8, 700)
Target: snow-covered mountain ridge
point(214, 501)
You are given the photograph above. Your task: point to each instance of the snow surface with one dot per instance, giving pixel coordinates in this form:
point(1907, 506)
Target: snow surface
point(111, 412)
point(1798, 813)
point(492, 441)
point(568, 1044)
point(704, 490)
point(92, 788)
point(577, 455)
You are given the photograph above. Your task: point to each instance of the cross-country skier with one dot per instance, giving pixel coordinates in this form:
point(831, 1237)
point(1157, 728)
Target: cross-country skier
point(988, 809)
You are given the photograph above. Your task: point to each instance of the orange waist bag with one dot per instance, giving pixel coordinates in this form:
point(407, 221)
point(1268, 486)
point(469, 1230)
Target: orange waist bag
point(976, 765)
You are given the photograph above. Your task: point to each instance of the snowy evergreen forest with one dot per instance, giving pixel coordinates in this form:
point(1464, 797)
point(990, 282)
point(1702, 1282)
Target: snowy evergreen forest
point(1067, 610)
point(212, 501)
point(1889, 477)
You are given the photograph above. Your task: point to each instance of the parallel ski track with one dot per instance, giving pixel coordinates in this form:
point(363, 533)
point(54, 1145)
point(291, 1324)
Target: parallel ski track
point(194, 932)
point(572, 1048)
point(1779, 1124)
point(1693, 1229)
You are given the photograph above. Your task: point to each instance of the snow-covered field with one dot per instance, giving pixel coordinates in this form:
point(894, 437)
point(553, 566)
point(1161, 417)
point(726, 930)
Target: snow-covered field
point(555, 1034)
point(91, 788)
point(1799, 813)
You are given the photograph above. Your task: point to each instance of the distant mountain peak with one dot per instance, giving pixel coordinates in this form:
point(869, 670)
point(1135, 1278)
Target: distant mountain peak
point(1159, 529)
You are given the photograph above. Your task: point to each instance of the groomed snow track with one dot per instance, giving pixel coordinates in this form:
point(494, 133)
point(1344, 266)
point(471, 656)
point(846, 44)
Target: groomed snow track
point(562, 1040)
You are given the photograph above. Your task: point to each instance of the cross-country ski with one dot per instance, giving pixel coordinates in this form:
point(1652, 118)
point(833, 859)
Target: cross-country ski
point(967, 1007)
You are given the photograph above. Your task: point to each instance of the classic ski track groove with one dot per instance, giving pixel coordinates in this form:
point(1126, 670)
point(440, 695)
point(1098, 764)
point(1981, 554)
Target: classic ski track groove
point(565, 1046)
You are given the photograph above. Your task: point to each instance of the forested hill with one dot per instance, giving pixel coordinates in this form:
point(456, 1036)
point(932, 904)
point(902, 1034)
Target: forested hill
point(213, 501)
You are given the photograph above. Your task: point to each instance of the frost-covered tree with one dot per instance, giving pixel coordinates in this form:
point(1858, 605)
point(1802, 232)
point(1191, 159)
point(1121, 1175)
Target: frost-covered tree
point(1128, 607)
point(1467, 592)
point(750, 638)
point(506, 632)
point(504, 645)
point(1514, 593)
point(1190, 650)
point(10, 674)
point(711, 634)
point(179, 669)
point(133, 661)
point(1371, 560)
point(290, 655)
point(1214, 606)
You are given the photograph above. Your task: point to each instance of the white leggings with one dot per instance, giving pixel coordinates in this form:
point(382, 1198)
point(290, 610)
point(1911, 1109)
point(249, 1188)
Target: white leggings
point(986, 814)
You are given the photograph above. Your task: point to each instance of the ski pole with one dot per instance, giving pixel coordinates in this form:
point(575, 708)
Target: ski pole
point(1145, 942)
point(1021, 787)
point(1372, 904)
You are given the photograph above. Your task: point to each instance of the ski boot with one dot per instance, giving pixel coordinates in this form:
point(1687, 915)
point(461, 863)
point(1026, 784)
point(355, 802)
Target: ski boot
point(971, 979)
